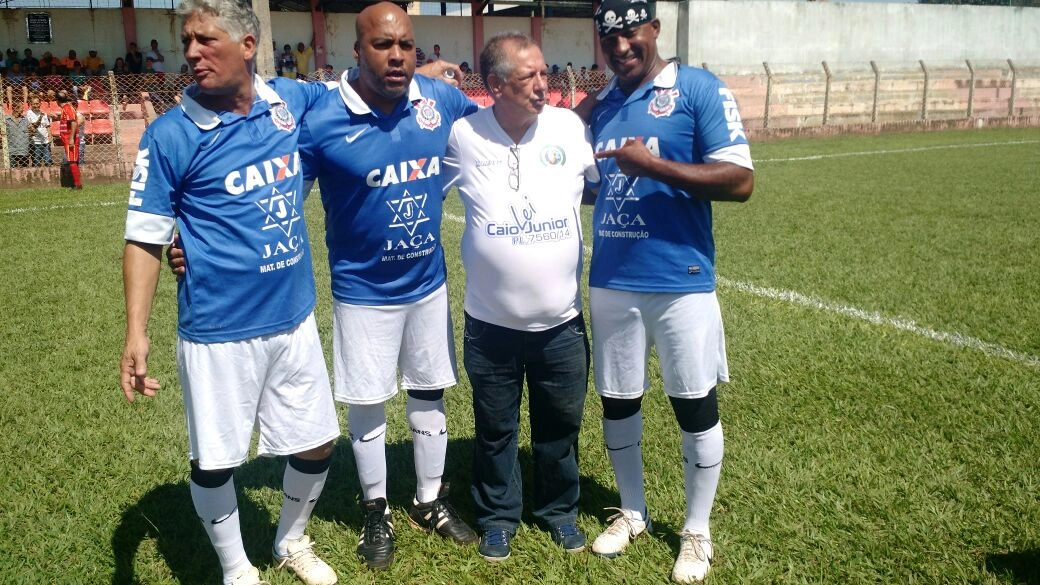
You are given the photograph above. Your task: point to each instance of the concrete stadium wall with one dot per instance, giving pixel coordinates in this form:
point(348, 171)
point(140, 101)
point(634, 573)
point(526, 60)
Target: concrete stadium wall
point(741, 34)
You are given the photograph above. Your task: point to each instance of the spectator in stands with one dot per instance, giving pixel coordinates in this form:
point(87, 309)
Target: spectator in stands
point(78, 78)
point(120, 67)
point(158, 59)
point(436, 56)
point(18, 134)
point(69, 61)
point(302, 55)
point(47, 65)
point(30, 64)
point(420, 57)
point(93, 65)
point(287, 63)
point(15, 76)
point(464, 66)
point(40, 131)
point(8, 58)
point(597, 78)
point(327, 73)
point(134, 59)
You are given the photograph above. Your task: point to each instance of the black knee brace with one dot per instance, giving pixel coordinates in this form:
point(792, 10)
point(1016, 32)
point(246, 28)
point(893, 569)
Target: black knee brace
point(620, 408)
point(210, 479)
point(431, 395)
point(696, 415)
point(310, 466)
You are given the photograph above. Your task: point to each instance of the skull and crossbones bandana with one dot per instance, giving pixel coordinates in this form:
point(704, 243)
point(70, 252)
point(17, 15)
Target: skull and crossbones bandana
point(618, 15)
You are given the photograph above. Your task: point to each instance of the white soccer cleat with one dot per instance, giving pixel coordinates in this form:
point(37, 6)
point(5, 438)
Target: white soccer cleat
point(624, 528)
point(302, 561)
point(250, 576)
point(694, 560)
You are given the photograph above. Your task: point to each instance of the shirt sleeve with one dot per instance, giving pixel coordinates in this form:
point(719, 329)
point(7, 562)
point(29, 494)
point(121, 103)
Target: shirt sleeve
point(450, 167)
point(151, 213)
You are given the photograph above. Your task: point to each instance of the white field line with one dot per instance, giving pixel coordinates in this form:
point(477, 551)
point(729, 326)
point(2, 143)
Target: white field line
point(63, 206)
point(895, 151)
point(900, 323)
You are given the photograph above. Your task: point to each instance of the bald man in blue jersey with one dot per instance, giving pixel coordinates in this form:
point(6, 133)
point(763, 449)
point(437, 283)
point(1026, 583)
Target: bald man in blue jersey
point(670, 141)
point(376, 145)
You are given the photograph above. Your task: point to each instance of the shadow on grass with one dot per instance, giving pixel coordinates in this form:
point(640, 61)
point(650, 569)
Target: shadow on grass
point(1018, 567)
point(166, 514)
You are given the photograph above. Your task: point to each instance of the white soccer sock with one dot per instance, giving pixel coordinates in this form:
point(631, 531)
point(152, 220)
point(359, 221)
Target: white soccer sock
point(300, 493)
point(702, 465)
point(367, 424)
point(218, 509)
point(624, 446)
point(429, 444)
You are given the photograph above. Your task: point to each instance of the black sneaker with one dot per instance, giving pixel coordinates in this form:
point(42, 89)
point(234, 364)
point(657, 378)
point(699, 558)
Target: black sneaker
point(439, 515)
point(570, 537)
point(376, 544)
point(494, 545)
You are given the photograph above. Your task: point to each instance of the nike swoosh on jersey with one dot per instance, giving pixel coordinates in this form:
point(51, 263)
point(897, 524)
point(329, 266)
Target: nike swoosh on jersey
point(350, 138)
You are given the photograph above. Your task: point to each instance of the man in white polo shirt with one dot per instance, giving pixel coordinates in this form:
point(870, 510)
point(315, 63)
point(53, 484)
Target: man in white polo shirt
point(521, 167)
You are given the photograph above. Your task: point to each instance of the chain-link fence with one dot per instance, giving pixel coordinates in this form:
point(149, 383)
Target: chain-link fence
point(116, 109)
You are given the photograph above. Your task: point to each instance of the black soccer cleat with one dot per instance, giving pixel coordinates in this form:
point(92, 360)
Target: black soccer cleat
point(376, 544)
point(440, 516)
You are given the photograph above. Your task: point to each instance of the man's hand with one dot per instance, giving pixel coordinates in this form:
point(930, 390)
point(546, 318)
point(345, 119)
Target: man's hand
point(584, 109)
point(175, 258)
point(633, 158)
point(443, 70)
point(133, 369)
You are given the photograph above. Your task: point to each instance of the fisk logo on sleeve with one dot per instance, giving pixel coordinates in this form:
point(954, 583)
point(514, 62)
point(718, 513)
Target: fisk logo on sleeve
point(140, 178)
point(733, 121)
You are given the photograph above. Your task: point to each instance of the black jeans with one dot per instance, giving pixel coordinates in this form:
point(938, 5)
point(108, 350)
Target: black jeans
point(555, 365)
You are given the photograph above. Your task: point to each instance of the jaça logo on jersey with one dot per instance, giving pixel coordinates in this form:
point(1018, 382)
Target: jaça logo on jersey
point(281, 214)
point(262, 174)
point(409, 213)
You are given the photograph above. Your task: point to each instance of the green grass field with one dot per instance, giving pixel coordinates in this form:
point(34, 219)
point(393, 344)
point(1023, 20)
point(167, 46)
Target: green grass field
point(883, 424)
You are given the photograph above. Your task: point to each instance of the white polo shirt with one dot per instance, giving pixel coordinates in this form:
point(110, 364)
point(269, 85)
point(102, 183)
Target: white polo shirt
point(522, 247)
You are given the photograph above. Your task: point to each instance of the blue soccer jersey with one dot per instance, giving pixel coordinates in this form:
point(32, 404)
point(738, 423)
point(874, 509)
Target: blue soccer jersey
point(232, 186)
point(649, 236)
point(381, 185)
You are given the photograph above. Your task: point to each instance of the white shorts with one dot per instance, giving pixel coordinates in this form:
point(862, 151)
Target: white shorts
point(371, 343)
point(686, 328)
point(277, 384)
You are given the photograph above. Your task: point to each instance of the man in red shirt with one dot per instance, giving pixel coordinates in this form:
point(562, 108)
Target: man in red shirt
point(69, 132)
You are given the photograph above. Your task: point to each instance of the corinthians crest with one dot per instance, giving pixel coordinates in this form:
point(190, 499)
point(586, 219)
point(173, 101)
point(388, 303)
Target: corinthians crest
point(426, 114)
point(663, 103)
point(282, 118)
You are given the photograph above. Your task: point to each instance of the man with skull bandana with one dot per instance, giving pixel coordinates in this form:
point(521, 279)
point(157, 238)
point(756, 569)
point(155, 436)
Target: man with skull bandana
point(669, 140)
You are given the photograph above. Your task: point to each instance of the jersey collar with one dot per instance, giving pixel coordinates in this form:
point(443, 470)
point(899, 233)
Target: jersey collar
point(665, 79)
point(357, 105)
point(208, 119)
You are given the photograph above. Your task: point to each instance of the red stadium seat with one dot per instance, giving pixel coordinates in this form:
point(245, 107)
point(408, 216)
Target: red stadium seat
point(99, 126)
point(50, 108)
point(99, 108)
